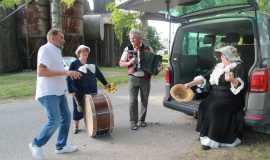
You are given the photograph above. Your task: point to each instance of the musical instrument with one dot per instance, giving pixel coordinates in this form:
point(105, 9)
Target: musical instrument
point(148, 61)
point(79, 107)
point(98, 114)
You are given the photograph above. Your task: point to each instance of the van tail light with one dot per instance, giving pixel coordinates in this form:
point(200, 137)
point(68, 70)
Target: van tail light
point(258, 117)
point(167, 76)
point(259, 81)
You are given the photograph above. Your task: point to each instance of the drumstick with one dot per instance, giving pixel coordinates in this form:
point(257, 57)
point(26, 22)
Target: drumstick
point(79, 108)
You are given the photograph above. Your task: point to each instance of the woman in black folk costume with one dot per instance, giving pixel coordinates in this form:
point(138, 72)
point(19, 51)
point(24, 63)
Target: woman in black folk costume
point(86, 85)
point(220, 115)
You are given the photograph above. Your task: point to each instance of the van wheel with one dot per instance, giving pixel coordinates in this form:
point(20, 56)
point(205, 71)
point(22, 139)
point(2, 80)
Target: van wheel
point(195, 115)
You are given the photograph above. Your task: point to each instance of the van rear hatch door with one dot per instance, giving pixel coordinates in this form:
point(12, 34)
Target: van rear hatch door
point(186, 9)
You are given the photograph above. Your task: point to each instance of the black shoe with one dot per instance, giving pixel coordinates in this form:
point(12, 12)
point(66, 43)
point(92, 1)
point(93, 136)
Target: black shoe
point(142, 124)
point(75, 130)
point(204, 147)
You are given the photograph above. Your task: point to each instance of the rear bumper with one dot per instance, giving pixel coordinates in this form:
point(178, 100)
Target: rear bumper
point(189, 108)
point(255, 118)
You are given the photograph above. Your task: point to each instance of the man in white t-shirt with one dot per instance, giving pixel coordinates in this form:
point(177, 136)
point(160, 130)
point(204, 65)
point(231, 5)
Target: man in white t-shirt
point(50, 92)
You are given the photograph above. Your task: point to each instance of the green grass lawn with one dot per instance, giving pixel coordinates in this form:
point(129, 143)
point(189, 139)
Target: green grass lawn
point(17, 85)
point(23, 84)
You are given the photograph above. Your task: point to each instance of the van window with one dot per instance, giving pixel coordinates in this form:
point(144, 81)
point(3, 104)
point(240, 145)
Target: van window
point(201, 41)
point(219, 39)
point(204, 5)
point(189, 46)
point(192, 41)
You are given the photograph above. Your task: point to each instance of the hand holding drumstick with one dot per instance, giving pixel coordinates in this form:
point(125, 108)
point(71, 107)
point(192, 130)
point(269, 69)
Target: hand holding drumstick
point(79, 108)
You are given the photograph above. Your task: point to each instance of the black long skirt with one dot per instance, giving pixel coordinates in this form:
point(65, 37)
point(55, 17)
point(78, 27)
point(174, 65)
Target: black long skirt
point(220, 117)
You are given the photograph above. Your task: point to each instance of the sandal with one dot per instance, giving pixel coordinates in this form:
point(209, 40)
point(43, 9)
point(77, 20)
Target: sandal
point(204, 147)
point(75, 130)
point(142, 124)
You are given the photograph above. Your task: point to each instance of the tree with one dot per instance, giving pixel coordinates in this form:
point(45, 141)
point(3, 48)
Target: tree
point(55, 14)
point(55, 8)
point(12, 3)
point(264, 6)
point(153, 39)
point(124, 21)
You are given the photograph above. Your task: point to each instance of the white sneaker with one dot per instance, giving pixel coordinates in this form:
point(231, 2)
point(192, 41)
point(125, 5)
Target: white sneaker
point(36, 152)
point(67, 149)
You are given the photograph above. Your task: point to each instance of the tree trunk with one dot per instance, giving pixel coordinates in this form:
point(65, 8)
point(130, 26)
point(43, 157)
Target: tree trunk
point(144, 31)
point(56, 14)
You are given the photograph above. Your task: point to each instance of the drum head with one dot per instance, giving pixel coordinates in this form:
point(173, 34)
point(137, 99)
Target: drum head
point(90, 116)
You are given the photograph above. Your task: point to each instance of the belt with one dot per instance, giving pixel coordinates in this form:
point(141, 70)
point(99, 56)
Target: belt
point(136, 76)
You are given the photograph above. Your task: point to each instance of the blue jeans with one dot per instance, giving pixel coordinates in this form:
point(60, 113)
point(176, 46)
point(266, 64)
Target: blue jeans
point(58, 116)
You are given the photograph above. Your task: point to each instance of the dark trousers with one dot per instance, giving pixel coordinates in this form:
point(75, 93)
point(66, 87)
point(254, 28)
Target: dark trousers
point(136, 84)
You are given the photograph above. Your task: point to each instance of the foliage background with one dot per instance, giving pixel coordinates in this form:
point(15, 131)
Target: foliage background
point(124, 21)
point(264, 6)
point(12, 3)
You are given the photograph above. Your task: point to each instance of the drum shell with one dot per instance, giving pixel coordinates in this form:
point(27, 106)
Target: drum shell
point(98, 114)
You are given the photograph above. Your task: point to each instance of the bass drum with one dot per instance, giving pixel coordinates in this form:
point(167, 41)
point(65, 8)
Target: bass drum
point(98, 114)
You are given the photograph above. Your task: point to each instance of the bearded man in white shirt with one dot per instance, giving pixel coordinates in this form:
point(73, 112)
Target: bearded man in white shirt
point(50, 92)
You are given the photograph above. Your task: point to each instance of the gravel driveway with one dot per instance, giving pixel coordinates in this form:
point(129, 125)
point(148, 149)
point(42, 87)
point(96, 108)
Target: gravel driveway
point(170, 135)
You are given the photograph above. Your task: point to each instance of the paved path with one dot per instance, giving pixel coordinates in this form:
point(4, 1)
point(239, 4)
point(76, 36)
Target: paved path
point(169, 135)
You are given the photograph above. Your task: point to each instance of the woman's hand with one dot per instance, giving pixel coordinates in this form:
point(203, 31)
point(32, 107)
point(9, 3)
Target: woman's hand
point(107, 85)
point(195, 82)
point(188, 85)
point(229, 76)
point(110, 87)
